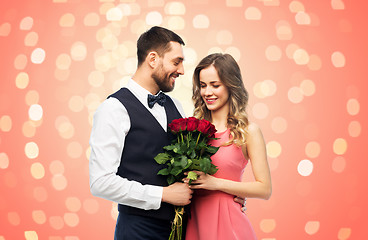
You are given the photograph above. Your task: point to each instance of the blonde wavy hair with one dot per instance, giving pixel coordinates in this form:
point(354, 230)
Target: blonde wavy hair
point(229, 73)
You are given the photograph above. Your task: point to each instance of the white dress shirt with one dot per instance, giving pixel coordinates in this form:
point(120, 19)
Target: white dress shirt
point(111, 124)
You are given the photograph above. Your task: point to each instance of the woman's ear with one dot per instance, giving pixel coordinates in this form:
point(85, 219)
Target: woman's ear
point(152, 59)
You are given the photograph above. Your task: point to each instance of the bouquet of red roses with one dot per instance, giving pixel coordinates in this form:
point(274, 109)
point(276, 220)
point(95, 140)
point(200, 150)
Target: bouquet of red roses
point(189, 151)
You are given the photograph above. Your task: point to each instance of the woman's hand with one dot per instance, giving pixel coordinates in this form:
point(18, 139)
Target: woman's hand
point(204, 181)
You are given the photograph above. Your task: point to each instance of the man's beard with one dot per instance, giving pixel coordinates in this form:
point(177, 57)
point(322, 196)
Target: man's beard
point(163, 80)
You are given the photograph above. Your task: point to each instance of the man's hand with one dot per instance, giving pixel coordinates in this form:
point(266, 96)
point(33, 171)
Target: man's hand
point(242, 202)
point(178, 194)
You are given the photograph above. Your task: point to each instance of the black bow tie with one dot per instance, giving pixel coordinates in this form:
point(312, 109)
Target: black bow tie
point(160, 99)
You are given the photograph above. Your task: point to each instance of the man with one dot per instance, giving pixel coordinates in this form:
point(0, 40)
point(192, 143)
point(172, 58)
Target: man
point(129, 130)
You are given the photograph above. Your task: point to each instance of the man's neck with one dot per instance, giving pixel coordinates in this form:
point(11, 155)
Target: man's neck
point(144, 79)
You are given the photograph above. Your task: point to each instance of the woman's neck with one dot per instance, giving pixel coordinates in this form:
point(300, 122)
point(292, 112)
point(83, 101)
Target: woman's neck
point(219, 119)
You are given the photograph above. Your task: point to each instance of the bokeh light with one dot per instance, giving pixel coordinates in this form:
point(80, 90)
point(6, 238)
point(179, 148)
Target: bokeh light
point(268, 225)
point(26, 23)
point(31, 39)
point(253, 13)
point(338, 59)
point(354, 129)
point(59, 182)
point(31, 150)
point(301, 57)
point(305, 167)
point(154, 18)
point(340, 146)
point(22, 80)
point(6, 123)
point(37, 170)
point(338, 164)
point(31, 235)
point(67, 20)
point(201, 21)
point(73, 204)
point(353, 106)
point(78, 51)
point(312, 227)
point(4, 160)
point(312, 149)
point(39, 216)
point(20, 62)
point(273, 53)
point(35, 112)
point(273, 149)
point(38, 56)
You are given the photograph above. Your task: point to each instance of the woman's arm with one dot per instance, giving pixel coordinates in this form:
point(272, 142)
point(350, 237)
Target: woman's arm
point(260, 188)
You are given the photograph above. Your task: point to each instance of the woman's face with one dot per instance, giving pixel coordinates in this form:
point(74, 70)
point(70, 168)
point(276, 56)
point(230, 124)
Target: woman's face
point(213, 92)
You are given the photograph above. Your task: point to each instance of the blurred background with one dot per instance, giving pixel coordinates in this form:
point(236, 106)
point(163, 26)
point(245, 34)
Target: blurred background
point(303, 63)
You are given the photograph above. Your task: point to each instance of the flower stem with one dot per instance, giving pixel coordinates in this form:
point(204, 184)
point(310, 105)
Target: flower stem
point(197, 139)
point(189, 136)
point(177, 225)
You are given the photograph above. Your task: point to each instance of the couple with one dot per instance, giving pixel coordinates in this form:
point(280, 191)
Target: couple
point(130, 129)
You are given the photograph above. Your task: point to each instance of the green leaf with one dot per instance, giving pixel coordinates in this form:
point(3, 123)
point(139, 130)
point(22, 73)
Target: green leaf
point(162, 158)
point(212, 149)
point(171, 147)
point(192, 175)
point(195, 165)
point(189, 164)
point(213, 170)
point(181, 148)
point(164, 172)
point(201, 145)
point(176, 171)
point(170, 179)
point(176, 162)
point(205, 164)
point(193, 154)
point(183, 162)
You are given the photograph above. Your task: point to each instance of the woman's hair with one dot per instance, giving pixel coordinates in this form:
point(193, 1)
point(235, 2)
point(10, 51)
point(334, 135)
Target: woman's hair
point(156, 39)
point(229, 73)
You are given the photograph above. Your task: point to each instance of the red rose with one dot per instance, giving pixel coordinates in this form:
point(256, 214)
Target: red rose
point(211, 131)
point(206, 127)
point(192, 124)
point(178, 125)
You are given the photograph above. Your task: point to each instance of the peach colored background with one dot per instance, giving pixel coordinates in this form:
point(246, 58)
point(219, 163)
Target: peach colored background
point(303, 62)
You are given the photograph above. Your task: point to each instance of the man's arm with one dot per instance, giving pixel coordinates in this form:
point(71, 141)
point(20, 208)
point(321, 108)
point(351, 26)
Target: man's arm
point(111, 123)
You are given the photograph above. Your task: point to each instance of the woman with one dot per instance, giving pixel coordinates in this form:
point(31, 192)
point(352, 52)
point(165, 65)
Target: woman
point(220, 97)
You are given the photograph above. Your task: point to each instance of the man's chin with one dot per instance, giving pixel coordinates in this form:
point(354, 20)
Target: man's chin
point(168, 88)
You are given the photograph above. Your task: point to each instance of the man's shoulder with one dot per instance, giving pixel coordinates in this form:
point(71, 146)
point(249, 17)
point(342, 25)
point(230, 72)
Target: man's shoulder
point(119, 93)
point(110, 104)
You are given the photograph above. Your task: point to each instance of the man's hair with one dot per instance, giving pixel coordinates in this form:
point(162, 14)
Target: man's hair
point(156, 39)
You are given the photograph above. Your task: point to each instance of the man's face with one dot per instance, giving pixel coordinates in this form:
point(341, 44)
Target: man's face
point(169, 68)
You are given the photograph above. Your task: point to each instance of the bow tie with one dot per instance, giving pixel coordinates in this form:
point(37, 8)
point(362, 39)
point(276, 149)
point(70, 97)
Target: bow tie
point(160, 99)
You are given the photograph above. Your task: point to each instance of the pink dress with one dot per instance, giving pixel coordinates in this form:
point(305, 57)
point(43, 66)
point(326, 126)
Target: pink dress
point(214, 214)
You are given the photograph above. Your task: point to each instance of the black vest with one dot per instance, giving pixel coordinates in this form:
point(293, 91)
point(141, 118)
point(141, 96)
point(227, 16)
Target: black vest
point(145, 139)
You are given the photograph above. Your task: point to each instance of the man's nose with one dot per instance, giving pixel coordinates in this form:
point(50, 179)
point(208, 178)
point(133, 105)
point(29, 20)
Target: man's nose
point(181, 69)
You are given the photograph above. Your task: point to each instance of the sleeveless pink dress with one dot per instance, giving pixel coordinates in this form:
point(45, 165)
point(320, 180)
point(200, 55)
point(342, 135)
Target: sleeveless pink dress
point(214, 214)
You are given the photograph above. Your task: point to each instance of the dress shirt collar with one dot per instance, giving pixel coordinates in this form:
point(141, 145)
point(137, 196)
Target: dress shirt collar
point(140, 92)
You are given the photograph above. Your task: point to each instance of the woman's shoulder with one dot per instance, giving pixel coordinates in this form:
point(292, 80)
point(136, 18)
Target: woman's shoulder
point(253, 128)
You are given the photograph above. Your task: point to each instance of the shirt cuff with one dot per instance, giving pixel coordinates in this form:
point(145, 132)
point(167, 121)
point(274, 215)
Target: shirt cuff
point(155, 195)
